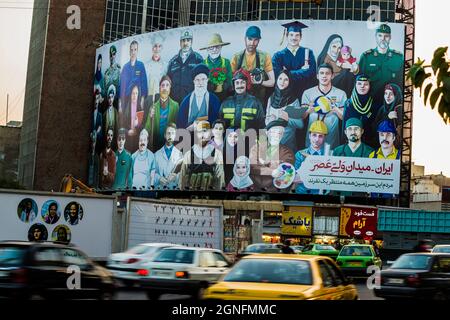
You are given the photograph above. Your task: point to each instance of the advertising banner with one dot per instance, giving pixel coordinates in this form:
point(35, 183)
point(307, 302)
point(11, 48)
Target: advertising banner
point(359, 222)
point(247, 106)
point(297, 221)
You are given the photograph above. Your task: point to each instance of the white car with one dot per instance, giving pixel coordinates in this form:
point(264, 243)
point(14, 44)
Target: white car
point(124, 265)
point(183, 270)
point(441, 248)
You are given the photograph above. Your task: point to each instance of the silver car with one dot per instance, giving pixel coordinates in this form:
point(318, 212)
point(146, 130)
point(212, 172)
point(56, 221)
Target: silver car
point(183, 270)
point(441, 248)
point(124, 265)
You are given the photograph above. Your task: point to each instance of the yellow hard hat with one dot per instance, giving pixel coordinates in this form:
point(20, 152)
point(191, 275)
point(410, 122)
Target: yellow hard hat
point(318, 126)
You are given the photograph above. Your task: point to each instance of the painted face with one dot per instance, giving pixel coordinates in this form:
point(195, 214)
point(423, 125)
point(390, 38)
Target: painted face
point(133, 52)
point(274, 135)
point(240, 86)
point(170, 135)
point(143, 140)
point(204, 135)
point(218, 130)
point(241, 169)
point(389, 96)
point(362, 87)
point(109, 138)
point(186, 45)
point(156, 49)
point(386, 139)
point(214, 52)
point(324, 76)
point(99, 65)
point(232, 138)
point(383, 40)
point(72, 211)
point(354, 133)
point(121, 142)
point(294, 38)
point(98, 97)
point(335, 48)
point(316, 140)
point(164, 89)
point(134, 94)
point(251, 44)
point(201, 81)
point(282, 81)
point(346, 56)
point(62, 235)
point(52, 210)
point(112, 58)
point(37, 234)
point(111, 99)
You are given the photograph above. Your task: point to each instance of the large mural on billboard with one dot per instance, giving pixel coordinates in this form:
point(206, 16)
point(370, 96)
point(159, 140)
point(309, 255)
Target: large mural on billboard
point(312, 107)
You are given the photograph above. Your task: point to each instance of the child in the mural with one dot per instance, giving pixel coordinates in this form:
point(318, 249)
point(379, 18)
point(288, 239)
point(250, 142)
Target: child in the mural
point(241, 180)
point(346, 56)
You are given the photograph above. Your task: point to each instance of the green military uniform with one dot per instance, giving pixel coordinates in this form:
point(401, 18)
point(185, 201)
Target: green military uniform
point(344, 150)
point(382, 68)
point(112, 76)
point(123, 177)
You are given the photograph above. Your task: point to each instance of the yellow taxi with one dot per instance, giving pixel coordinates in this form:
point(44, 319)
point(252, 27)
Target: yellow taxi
point(283, 277)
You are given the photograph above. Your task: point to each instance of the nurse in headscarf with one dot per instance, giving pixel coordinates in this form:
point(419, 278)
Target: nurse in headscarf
point(392, 108)
point(241, 181)
point(283, 104)
point(344, 75)
point(362, 106)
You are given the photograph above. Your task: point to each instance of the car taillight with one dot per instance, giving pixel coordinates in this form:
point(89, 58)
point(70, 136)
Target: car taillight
point(413, 280)
point(143, 272)
point(19, 276)
point(132, 260)
point(181, 275)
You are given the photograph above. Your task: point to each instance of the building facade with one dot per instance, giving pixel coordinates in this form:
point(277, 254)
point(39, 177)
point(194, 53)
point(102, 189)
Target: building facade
point(9, 150)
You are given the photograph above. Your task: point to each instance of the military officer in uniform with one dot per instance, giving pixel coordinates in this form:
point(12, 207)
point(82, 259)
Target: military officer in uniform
point(112, 74)
point(382, 65)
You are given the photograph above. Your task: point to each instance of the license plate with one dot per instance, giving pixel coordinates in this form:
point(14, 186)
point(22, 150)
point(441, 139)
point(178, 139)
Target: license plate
point(394, 281)
point(354, 264)
point(162, 274)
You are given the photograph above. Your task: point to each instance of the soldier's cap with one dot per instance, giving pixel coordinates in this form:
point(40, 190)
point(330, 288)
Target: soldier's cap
point(294, 26)
point(186, 34)
point(198, 69)
point(353, 122)
point(122, 132)
point(112, 90)
point(113, 49)
point(253, 32)
point(277, 123)
point(362, 77)
point(318, 126)
point(386, 126)
point(384, 28)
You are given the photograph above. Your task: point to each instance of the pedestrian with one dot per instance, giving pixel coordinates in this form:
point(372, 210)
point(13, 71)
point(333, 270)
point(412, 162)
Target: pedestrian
point(286, 247)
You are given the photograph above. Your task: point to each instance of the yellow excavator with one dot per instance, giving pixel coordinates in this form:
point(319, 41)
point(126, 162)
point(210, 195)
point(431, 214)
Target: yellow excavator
point(71, 185)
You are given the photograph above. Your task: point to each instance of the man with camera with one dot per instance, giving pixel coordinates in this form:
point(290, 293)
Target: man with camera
point(258, 63)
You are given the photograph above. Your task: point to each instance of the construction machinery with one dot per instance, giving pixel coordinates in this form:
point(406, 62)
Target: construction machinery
point(71, 185)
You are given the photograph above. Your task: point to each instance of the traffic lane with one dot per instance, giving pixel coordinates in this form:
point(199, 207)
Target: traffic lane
point(364, 293)
point(137, 294)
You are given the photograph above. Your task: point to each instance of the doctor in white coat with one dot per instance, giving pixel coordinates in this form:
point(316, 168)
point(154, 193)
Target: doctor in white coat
point(168, 161)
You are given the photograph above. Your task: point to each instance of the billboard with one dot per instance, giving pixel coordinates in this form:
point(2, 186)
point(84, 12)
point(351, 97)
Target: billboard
point(75, 220)
point(297, 221)
point(359, 222)
point(312, 107)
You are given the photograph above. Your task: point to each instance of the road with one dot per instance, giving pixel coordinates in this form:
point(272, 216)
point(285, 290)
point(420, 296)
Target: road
point(363, 291)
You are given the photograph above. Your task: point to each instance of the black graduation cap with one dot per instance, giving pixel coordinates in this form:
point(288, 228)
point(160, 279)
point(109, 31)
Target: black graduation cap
point(294, 26)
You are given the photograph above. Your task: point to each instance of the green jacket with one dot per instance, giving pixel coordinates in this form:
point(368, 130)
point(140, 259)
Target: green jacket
point(123, 178)
point(220, 63)
point(344, 150)
point(153, 128)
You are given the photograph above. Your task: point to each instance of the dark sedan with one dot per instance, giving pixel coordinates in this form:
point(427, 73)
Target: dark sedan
point(47, 270)
point(417, 276)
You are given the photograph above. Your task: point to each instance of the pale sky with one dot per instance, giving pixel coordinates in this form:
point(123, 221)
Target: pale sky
point(431, 137)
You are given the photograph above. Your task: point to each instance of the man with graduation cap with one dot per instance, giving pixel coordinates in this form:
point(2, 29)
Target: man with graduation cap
point(382, 64)
point(298, 60)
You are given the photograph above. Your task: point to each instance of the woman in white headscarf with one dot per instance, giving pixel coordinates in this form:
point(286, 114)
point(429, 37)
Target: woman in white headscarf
point(344, 76)
point(241, 180)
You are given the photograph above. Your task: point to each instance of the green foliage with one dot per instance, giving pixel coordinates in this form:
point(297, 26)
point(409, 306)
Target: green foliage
point(440, 96)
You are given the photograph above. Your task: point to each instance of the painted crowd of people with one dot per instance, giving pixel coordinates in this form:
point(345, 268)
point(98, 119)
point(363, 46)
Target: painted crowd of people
point(333, 105)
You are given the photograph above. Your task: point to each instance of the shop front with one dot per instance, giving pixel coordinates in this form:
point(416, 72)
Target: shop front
point(359, 223)
point(326, 224)
point(272, 226)
point(297, 225)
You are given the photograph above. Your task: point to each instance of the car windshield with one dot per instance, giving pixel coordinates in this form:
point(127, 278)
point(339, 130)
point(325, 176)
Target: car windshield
point(356, 251)
point(271, 271)
point(445, 249)
point(319, 247)
point(175, 256)
point(11, 256)
point(257, 248)
point(420, 262)
point(142, 249)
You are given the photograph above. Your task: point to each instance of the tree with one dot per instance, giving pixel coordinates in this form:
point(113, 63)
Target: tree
point(437, 87)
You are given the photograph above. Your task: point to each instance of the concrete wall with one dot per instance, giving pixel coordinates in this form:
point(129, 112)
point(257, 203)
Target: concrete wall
point(9, 152)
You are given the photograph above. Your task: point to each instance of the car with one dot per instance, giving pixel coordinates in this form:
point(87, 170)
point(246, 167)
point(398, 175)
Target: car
point(321, 250)
point(182, 270)
point(258, 248)
point(354, 259)
point(416, 276)
point(297, 249)
point(441, 248)
point(283, 277)
point(124, 265)
point(30, 270)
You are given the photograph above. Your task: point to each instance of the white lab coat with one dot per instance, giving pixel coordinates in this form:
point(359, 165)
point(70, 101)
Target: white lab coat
point(164, 166)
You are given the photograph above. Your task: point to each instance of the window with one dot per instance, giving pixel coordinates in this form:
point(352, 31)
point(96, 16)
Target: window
point(74, 257)
point(336, 273)
point(220, 257)
point(48, 257)
point(11, 256)
point(420, 262)
point(327, 277)
point(175, 256)
point(207, 259)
